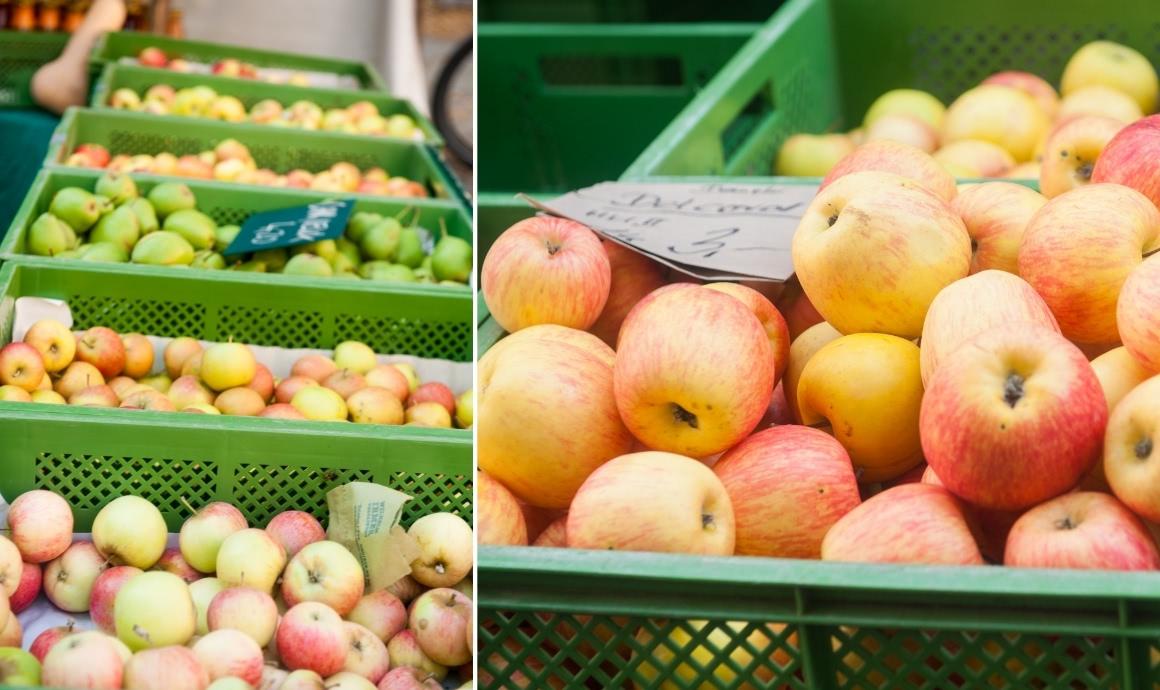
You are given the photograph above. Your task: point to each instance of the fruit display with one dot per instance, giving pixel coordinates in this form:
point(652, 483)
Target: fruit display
point(230, 161)
point(362, 117)
point(116, 222)
point(102, 368)
point(155, 57)
point(1012, 125)
point(230, 607)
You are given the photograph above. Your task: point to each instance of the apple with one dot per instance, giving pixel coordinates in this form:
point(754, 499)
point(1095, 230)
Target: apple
point(188, 390)
point(263, 382)
point(995, 215)
point(31, 576)
point(909, 523)
point(154, 609)
point(40, 524)
point(246, 609)
point(159, 382)
point(130, 530)
point(166, 668)
point(1031, 84)
point(380, 612)
point(320, 404)
point(898, 159)
point(1071, 152)
point(294, 529)
point(227, 365)
point(499, 520)
point(408, 371)
point(230, 683)
point(102, 348)
point(124, 386)
point(138, 355)
point(1029, 418)
point(354, 356)
point(95, 396)
point(1128, 450)
point(634, 275)
point(148, 400)
point(173, 562)
point(1024, 171)
point(316, 367)
point(240, 402)
point(42, 396)
point(68, 580)
point(250, 557)
point(77, 377)
point(545, 270)
point(14, 394)
point(104, 594)
point(975, 158)
point(873, 250)
point(374, 405)
point(177, 353)
point(465, 409)
point(203, 591)
point(555, 535)
point(974, 305)
point(539, 457)
point(408, 678)
point(18, 668)
point(1079, 249)
point(1000, 114)
point(868, 388)
point(229, 652)
point(801, 350)
point(905, 129)
point(55, 343)
point(285, 390)
point(429, 414)
point(345, 382)
point(912, 102)
point(445, 543)
point(433, 392)
point(303, 679)
point(1125, 159)
point(405, 651)
point(366, 654)
point(311, 636)
point(1086, 529)
point(202, 534)
point(83, 660)
point(1105, 63)
point(438, 618)
point(770, 318)
point(47, 639)
point(325, 572)
point(788, 485)
point(22, 366)
point(810, 155)
point(391, 378)
point(346, 680)
point(679, 505)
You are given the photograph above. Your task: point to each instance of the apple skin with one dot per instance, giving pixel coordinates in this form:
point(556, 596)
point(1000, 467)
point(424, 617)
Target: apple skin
point(83, 660)
point(173, 562)
point(22, 366)
point(1079, 249)
point(911, 102)
point(294, 529)
point(439, 620)
point(11, 567)
point(284, 392)
point(873, 250)
point(390, 378)
point(47, 639)
point(278, 411)
point(868, 387)
point(41, 525)
point(251, 558)
point(899, 159)
point(380, 612)
point(138, 355)
point(1031, 84)
point(1117, 66)
point(669, 393)
point(1135, 313)
point(906, 129)
point(1071, 152)
point(1000, 114)
point(77, 377)
point(555, 535)
point(1129, 458)
point(366, 654)
point(55, 343)
point(311, 636)
point(12, 633)
point(677, 505)
point(995, 214)
point(770, 318)
point(407, 678)
point(154, 610)
point(435, 392)
point(203, 591)
point(302, 679)
point(315, 367)
point(228, 365)
point(405, 652)
point(909, 523)
point(634, 275)
point(325, 572)
point(202, 534)
point(246, 609)
point(975, 158)
point(539, 457)
point(130, 530)
point(31, 576)
point(68, 579)
point(801, 350)
point(104, 595)
point(1098, 100)
point(991, 527)
point(788, 485)
point(974, 305)
point(102, 348)
point(1029, 418)
point(499, 520)
point(1128, 158)
point(546, 270)
point(166, 668)
point(1086, 529)
point(446, 551)
point(19, 668)
point(811, 155)
point(230, 653)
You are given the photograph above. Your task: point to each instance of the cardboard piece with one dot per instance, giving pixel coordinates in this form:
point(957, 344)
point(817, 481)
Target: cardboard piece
point(364, 517)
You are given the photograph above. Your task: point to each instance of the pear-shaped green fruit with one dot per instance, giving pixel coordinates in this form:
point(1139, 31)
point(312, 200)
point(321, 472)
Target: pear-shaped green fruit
point(50, 236)
point(381, 242)
point(170, 197)
point(69, 254)
point(196, 227)
point(324, 248)
point(410, 252)
point(370, 267)
point(119, 227)
point(424, 275)
point(348, 275)
point(111, 252)
point(395, 273)
point(118, 187)
point(163, 248)
point(223, 236)
point(104, 204)
point(146, 216)
point(360, 223)
point(349, 248)
point(275, 259)
point(76, 207)
point(341, 263)
point(425, 263)
point(451, 259)
point(250, 267)
point(207, 258)
point(308, 265)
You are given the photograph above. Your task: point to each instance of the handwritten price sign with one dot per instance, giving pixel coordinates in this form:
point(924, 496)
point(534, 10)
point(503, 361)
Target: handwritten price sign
point(287, 227)
point(709, 230)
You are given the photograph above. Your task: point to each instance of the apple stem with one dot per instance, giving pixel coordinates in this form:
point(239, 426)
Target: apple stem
point(707, 523)
point(443, 227)
point(1143, 448)
point(185, 502)
point(141, 632)
point(399, 216)
point(1147, 254)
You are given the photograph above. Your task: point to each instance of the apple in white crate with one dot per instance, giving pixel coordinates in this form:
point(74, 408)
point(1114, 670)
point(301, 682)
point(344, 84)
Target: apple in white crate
point(177, 353)
point(546, 270)
point(408, 678)
point(138, 355)
point(153, 610)
point(873, 249)
point(249, 610)
point(906, 129)
point(11, 566)
point(995, 214)
point(203, 591)
point(89, 660)
point(189, 390)
point(895, 158)
point(68, 579)
point(31, 577)
point(446, 549)
point(404, 650)
point(130, 531)
point(366, 654)
point(439, 620)
point(668, 391)
point(788, 485)
point(1079, 249)
point(678, 505)
point(313, 367)
point(171, 667)
point(54, 341)
point(202, 534)
point(104, 595)
point(325, 572)
point(345, 680)
point(21, 366)
point(18, 668)
point(311, 636)
point(294, 529)
point(172, 561)
point(251, 558)
point(380, 612)
point(230, 653)
point(909, 523)
point(1085, 529)
point(499, 520)
point(47, 639)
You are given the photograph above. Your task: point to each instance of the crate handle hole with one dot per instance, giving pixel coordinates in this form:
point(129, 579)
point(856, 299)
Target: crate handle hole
point(611, 71)
point(756, 112)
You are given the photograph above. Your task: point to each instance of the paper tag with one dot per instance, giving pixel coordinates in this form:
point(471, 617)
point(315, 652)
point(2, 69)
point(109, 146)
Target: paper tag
point(714, 231)
point(286, 227)
point(364, 517)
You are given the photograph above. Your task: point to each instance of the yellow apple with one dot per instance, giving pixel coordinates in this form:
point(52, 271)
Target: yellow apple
point(1000, 114)
point(800, 352)
point(983, 158)
point(911, 102)
point(906, 129)
point(1099, 100)
point(1136, 315)
point(996, 214)
point(899, 159)
point(1070, 154)
point(1031, 84)
point(1118, 373)
point(1024, 171)
point(1105, 63)
point(811, 155)
point(691, 648)
point(1130, 453)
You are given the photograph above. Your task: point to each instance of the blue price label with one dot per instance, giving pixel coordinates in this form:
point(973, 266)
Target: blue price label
point(286, 227)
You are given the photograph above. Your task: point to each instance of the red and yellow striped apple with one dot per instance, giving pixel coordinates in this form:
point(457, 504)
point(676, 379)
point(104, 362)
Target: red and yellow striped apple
point(1071, 152)
point(1085, 529)
point(996, 214)
point(898, 159)
point(499, 520)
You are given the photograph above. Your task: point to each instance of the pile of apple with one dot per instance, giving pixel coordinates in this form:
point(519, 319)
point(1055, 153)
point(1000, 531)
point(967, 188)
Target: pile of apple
point(155, 57)
point(115, 223)
point(1014, 124)
point(972, 377)
point(100, 368)
point(362, 117)
point(230, 161)
point(232, 607)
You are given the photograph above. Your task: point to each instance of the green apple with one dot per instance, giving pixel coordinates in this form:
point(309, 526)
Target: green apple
point(18, 668)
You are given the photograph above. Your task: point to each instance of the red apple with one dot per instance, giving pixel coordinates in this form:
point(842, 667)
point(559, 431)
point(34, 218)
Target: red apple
point(172, 561)
point(165, 668)
point(41, 525)
point(281, 411)
point(1071, 152)
point(263, 382)
point(316, 367)
point(311, 636)
point(152, 56)
point(246, 609)
point(345, 382)
point(28, 589)
point(84, 660)
point(177, 353)
point(408, 678)
point(47, 639)
point(390, 378)
point(55, 343)
point(102, 348)
point(1130, 158)
point(499, 520)
point(294, 529)
point(433, 392)
point(1086, 529)
point(226, 652)
point(22, 366)
point(996, 214)
point(770, 318)
point(634, 275)
point(325, 572)
point(439, 620)
point(104, 594)
point(138, 355)
point(380, 612)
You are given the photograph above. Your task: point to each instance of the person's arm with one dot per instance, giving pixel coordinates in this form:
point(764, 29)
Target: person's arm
point(64, 82)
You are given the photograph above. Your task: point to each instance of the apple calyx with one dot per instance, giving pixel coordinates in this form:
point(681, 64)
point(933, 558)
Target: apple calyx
point(1013, 389)
point(708, 523)
point(552, 247)
point(1066, 523)
point(684, 416)
point(315, 576)
point(142, 633)
point(1143, 448)
point(1084, 172)
point(832, 219)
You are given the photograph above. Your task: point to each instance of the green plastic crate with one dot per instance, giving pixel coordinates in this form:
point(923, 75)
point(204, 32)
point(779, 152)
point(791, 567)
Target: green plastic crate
point(281, 150)
point(817, 65)
point(263, 466)
point(564, 106)
point(127, 44)
point(622, 11)
point(118, 75)
point(494, 213)
point(21, 54)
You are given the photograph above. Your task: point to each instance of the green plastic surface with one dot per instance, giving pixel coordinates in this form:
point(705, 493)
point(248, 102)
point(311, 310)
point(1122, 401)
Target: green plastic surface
point(562, 106)
point(425, 320)
point(119, 75)
point(625, 11)
point(494, 213)
point(114, 46)
point(21, 54)
point(818, 64)
point(281, 150)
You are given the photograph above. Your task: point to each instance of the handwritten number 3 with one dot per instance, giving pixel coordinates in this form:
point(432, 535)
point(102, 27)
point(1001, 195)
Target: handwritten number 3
point(710, 245)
